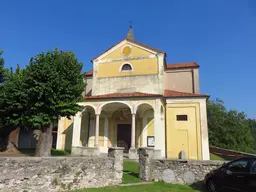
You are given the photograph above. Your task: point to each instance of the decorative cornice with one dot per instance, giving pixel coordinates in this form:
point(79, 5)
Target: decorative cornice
point(126, 59)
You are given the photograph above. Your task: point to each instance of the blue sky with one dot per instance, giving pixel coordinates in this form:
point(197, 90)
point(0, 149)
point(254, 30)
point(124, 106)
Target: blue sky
point(220, 35)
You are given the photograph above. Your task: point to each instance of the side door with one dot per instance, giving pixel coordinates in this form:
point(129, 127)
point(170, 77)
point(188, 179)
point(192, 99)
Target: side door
point(236, 175)
point(251, 180)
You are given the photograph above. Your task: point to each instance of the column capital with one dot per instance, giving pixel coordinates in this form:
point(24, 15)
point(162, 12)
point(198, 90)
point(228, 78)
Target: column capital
point(133, 113)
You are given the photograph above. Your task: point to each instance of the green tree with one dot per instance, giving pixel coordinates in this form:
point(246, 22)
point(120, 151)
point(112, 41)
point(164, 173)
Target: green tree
point(2, 70)
point(53, 84)
point(12, 101)
point(228, 129)
point(252, 126)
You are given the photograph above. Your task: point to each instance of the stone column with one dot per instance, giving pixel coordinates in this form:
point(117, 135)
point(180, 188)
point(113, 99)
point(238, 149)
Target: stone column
point(133, 152)
point(145, 163)
point(76, 130)
point(97, 128)
point(133, 132)
point(159, 132)
point(117, 154)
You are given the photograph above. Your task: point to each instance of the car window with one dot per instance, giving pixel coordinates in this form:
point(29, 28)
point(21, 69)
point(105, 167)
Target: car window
point(254, 166)
point(239, 166)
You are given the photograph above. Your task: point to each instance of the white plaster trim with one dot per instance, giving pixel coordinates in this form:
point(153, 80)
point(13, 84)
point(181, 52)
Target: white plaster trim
point(159, 130)
point(126, 59)
point(126, 71)
point(111, 50)
point(86, 104)
point(141, 103)
point(121, 44)
point(139, 46)
point(117, 101)
point(190, 99)
point(106, 132)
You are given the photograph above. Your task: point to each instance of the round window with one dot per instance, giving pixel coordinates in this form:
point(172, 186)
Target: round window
point(126, 50)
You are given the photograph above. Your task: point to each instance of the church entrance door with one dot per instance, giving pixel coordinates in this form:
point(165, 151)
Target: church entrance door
point(124, 136)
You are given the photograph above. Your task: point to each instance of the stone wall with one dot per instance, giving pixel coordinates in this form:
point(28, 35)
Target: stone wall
point(173, 171)
point(29, 174)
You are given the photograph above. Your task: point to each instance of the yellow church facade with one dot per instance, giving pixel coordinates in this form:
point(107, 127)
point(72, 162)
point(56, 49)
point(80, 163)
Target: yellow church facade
point(134, 99)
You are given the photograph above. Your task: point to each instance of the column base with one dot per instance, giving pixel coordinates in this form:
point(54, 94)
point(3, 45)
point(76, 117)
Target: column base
point(85, 151)
point(133, 154)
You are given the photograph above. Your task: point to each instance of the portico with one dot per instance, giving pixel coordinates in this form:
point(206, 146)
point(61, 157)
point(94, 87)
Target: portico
point(124, 122)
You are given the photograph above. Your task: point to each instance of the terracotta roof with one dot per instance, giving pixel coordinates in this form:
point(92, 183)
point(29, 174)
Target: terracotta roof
point(132, 41)
point(182, 65)
point(117, 95)
point(89, 73)
point(167, 94)
point(171, 94)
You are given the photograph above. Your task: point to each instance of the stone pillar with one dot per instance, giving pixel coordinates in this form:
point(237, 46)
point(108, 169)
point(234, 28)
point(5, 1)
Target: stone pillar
point(97, 128)
point(204, 130)
point(159, 132)
point(76, 130)
point(133, 152)
point(145, 163)
point(117, 154)
point(133, 132)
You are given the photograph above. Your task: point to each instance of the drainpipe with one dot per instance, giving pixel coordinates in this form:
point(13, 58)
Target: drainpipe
point(193, 81)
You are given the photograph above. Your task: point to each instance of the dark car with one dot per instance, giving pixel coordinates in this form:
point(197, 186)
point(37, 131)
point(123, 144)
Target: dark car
point(237, 175)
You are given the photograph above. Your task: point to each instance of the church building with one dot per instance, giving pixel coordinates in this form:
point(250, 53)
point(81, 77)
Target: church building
point(134, 98)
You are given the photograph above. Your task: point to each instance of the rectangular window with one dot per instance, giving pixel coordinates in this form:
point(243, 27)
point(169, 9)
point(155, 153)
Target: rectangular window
point(181, 117)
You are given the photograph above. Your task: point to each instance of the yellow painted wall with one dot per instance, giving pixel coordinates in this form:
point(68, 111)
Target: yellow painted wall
point(101, 132)
point(138, 135)
point(67, 134)
point(135, 52)
point(150, 127)
point(140, 67)
point(183, 135)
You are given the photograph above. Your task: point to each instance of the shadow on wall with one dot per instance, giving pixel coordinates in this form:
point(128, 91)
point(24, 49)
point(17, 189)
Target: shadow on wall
point(68, 137)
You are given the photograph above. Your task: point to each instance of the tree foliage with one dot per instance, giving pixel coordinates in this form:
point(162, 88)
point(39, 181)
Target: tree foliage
point(48, 88)
point(228, 129)
point(252, 125)
point(2, 70)
point(12, 101)
point(53, 84)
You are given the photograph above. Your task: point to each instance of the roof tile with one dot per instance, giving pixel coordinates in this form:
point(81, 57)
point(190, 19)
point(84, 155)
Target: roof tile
point(171, 93)
point(182, 65)
point(167, 94)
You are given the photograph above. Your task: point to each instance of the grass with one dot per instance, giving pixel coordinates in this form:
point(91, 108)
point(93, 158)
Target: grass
point(154, 187)
point(131, 172)
point(216, 157)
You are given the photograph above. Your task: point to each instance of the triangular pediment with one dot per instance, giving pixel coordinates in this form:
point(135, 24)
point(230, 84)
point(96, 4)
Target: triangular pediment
point(127, 48)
